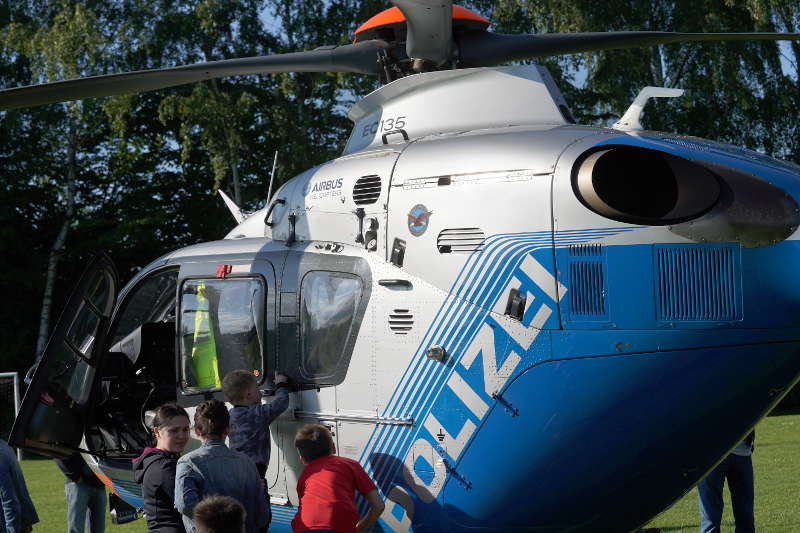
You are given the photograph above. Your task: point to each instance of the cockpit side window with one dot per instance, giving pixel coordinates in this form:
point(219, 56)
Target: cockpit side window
point(221, 329)
point(152, 300)
point(329, 302)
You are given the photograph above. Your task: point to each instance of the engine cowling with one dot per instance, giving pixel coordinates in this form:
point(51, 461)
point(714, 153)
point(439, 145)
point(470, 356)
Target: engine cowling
point(643, 186)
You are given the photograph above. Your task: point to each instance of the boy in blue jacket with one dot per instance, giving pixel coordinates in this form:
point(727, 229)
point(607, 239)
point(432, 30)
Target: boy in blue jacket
point(250, 419)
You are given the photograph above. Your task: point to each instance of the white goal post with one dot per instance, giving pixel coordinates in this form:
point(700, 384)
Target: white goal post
point(14, 376)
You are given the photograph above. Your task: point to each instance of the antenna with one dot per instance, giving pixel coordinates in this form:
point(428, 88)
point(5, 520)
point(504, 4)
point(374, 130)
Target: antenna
point(272, 177)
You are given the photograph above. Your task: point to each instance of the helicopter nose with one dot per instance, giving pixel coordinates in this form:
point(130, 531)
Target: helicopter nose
point(589, 433)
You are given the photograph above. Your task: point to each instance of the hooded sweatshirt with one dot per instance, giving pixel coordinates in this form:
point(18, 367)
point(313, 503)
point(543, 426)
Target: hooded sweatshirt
point(154, 470)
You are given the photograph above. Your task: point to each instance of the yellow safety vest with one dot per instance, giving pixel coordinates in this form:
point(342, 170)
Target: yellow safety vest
point(204, 346)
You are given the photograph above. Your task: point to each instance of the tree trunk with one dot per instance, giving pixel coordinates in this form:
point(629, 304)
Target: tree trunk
point(657, 67)
point(57, 249)
point(785, 16)
point(233, 155)
point(233, 162)
point(237, 194)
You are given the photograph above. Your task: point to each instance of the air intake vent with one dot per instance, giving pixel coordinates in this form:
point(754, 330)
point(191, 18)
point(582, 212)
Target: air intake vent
point(698, 282)
point(460, 241)
point(587, 291)
point(585, 250)
point(401, 321)
point(367, 190)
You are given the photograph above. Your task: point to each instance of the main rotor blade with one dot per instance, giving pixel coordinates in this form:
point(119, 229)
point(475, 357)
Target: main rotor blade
point(480, 49)
point(359, 57)
point(429, 26)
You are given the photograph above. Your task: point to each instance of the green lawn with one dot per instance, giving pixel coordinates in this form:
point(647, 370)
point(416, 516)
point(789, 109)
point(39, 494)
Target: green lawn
point(776, 461)
point(46, 485)
point(777, 471)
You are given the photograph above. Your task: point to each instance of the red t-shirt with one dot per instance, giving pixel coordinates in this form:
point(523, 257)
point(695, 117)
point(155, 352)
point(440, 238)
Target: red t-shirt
point(327, 494)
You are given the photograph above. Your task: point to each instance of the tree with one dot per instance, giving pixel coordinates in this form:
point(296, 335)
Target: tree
point(68, 46)
point(310, 108)
point(219, 111)
point(736, 91)
point(133, 189)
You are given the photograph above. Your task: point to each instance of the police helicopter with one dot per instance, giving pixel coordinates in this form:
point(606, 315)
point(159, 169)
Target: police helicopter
point(514, 322)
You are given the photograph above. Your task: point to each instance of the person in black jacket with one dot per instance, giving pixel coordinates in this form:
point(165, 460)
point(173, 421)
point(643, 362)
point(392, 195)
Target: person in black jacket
point(155, 469)
point(86, 496)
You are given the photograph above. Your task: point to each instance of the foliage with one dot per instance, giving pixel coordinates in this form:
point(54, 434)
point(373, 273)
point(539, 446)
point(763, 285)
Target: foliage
point(737, 91)
point(149, 165)
point(70, 44)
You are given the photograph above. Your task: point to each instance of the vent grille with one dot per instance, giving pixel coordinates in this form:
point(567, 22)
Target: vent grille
point(401, 321)
point(585, 250)
point(587, 291)
point(460, 240)
point(367, 190)
point(698, 282)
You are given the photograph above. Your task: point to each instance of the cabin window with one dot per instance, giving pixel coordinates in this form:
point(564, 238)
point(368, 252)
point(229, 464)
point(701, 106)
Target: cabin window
point(328, 305)
point(221, 328)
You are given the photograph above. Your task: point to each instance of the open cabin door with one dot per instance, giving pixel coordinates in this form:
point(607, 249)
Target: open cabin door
point(57, 403)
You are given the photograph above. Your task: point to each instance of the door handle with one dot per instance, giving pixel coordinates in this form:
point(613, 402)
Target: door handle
point(396, 283)
point(269, 211)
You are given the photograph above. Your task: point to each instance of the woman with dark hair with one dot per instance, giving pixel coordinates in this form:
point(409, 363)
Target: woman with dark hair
point(155, 469)
point(216, 469)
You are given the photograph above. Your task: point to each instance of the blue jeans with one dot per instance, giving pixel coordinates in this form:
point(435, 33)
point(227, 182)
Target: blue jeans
point(86, 508)
point(738, 470)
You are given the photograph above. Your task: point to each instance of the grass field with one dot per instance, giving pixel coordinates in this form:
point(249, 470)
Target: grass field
point(777, 477)
point(776, 462)
point(46, 485)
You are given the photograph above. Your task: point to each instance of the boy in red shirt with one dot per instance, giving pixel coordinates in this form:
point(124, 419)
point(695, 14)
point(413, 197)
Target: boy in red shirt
point(327, 487)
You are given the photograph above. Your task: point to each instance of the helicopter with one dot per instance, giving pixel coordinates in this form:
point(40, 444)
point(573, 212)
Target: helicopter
point(512, 321)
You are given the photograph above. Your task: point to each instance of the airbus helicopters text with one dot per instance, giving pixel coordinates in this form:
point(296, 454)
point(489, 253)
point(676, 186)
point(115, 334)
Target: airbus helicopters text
point(512, 321)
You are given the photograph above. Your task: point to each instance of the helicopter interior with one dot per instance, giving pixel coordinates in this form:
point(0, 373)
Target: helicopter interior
point(138, 371)
point(221, 329)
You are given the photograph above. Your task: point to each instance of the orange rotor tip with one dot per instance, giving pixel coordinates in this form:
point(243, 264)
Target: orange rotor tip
point(393, 16)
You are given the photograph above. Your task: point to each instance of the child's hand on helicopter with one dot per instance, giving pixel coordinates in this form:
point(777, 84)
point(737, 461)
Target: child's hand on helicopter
point(280, 378)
